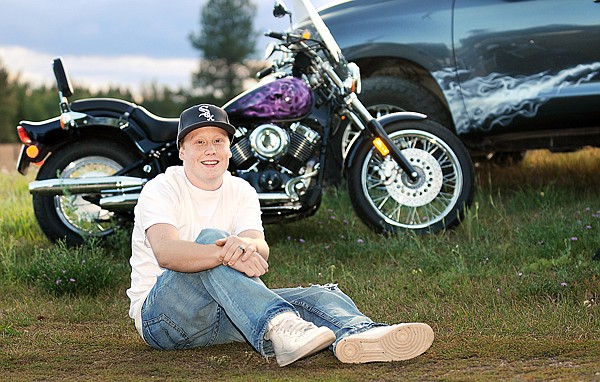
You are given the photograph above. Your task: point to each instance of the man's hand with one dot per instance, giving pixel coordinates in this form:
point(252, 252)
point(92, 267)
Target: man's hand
point(241, 253)
point(253, 266)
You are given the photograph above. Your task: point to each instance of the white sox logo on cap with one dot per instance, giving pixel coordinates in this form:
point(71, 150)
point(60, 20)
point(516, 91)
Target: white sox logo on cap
point(205, 112)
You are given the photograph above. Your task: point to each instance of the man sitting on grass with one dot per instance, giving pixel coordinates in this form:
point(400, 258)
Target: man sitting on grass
point(198, 250)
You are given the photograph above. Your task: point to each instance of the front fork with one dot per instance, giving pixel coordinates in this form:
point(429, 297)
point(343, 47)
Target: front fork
point(382, 140)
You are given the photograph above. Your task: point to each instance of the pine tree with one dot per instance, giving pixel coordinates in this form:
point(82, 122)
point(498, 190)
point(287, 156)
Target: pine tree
point(226, 41)
point(8, 107)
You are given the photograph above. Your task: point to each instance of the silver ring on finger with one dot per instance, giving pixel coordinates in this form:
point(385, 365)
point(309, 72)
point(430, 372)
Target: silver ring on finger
point(242, 249)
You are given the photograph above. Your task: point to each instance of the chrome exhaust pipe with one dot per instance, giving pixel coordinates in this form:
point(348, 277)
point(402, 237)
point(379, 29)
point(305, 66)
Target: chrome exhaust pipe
point(274, 197)
point(124, 202)
point(69, 186)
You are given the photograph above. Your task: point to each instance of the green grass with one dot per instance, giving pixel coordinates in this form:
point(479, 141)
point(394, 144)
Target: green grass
point(512, 293)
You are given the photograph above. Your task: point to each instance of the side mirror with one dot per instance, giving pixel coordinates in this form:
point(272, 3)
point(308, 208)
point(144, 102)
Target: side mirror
point(280, 10)
point(62, 80)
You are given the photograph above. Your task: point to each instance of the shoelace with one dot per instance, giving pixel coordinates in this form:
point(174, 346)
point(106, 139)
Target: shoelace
point(293, 327)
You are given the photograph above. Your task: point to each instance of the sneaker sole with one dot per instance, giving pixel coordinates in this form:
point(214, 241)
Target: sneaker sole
point(320, 342)
point(404, 341)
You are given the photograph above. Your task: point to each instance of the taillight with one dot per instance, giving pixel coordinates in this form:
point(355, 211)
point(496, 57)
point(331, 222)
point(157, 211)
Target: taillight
point(23, 136)
point(32, 151)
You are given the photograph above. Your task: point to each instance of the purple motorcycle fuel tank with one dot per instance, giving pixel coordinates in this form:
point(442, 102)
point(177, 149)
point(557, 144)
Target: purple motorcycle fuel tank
point(281, 99)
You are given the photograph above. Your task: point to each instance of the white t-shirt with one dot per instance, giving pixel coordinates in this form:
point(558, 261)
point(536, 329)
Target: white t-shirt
point(171, 198)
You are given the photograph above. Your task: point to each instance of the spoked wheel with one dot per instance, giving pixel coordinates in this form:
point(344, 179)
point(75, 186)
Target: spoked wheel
point(73, 217)
point(387, 199)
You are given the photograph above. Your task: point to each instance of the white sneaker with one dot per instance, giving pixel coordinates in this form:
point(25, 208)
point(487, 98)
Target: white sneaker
point(293, 338)
point(385, 343)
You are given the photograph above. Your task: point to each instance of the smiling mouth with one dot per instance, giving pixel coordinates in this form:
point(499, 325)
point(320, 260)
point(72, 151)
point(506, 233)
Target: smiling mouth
point(210, 162)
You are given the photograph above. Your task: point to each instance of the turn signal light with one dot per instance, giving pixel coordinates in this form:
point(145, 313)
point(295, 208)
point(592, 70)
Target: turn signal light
point(381, 147)
point(306, 34)
point(32, 152)
point(63, 121)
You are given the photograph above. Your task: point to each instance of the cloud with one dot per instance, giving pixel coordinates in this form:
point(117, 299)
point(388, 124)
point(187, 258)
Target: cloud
point(145, 43)
point(100, 72)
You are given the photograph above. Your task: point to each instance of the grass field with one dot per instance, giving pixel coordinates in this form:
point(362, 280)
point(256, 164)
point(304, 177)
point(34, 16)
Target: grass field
point(512, 293)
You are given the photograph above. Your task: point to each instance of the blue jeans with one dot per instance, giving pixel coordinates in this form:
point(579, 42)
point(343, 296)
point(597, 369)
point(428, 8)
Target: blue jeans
point(221, 305)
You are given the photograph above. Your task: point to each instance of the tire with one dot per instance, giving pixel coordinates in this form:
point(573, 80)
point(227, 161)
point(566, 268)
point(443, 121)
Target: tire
point(383, 95)
point(387, 201)
point(71, 217)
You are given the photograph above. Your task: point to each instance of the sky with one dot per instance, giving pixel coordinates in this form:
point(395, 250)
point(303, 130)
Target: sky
point(129, 43)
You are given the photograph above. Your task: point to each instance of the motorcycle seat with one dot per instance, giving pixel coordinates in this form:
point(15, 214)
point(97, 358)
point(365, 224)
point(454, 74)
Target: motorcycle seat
point(158, 129)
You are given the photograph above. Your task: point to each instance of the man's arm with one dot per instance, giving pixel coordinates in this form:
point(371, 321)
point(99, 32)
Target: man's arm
point(186, 256)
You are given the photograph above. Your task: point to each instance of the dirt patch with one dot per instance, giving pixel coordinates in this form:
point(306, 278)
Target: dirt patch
point(9, 152)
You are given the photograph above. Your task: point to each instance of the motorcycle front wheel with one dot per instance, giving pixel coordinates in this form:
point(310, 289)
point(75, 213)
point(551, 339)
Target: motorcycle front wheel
point(387, 200)
point(74, 217)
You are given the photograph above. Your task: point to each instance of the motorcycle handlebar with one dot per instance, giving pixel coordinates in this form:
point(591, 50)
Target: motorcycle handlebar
point(289, 37)
point(265, 72)
point(277, 35)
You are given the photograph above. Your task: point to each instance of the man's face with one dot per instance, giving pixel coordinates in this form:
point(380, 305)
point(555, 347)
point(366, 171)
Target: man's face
point(205, 153)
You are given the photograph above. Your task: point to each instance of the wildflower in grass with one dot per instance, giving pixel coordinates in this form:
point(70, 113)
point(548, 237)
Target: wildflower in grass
point(327, 246)
point(360, 241)
point(563, 284)
point(498, 290)
point(588, 226)
point(72, 280)
point(332, 217)
point(541, 242)
point(520, 274)
point(346, 222)
point(58, 281)
point(574, 238)
point(301, 241)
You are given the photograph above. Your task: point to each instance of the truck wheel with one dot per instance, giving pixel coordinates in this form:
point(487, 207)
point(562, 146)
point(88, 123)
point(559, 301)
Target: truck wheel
point(383, 95)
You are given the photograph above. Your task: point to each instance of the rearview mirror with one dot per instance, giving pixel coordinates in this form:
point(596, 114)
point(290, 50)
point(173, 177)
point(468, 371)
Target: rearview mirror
point(280, 10)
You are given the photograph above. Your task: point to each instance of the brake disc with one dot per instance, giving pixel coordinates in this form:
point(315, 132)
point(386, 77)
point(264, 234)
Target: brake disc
point(418, 192)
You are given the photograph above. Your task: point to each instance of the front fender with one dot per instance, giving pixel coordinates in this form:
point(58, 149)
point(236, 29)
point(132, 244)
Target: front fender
point(365, 136)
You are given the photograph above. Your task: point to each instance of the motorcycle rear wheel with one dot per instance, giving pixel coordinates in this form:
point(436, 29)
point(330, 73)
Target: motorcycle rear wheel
point(387, 200)
point(71, 217)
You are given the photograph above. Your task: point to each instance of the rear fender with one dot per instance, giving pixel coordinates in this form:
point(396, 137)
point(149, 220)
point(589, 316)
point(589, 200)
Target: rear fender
point(49, 136)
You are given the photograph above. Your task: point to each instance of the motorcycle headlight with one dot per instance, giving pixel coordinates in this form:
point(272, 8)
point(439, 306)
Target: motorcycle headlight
point(353, 83)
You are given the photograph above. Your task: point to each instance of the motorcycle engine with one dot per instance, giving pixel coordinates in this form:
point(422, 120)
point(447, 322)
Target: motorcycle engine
point(269, 155)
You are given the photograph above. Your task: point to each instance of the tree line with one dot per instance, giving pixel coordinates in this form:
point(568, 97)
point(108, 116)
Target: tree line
point(226, 40)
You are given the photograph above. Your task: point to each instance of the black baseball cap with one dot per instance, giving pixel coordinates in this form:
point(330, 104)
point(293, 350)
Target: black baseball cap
point(201, 116)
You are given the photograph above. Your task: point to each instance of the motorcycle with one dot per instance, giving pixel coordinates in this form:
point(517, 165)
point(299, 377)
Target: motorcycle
point(403, 171)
